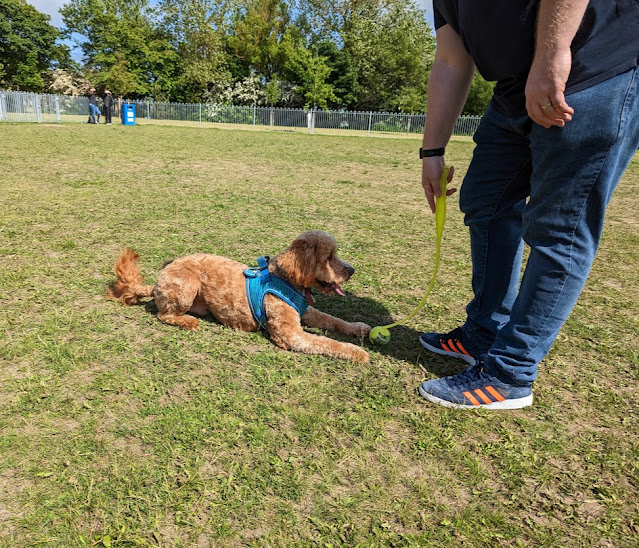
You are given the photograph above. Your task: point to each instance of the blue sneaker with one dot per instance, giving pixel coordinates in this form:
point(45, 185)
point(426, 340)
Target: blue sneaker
point(450, 344)
point(474, 388)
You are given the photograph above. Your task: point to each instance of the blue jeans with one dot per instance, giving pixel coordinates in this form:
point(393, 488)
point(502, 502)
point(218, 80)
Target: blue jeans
point(94, 111)
point(548, 188)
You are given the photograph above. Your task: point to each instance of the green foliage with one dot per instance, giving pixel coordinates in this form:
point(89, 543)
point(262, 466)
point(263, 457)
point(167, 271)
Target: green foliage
point(28, 46)
point(257, 33)
point(196, 30)
point(385, 52)
point(273, 92)
point(123, 50)
point(343, 77)
point(311, 72)
point(479, 95)
point(393, 52)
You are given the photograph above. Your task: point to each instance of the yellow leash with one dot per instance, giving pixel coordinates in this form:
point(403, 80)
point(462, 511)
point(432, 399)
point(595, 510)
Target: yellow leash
point(381, 334)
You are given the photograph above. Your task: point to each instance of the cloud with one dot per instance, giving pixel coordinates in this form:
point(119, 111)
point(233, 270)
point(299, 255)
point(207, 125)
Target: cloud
point(50, 7)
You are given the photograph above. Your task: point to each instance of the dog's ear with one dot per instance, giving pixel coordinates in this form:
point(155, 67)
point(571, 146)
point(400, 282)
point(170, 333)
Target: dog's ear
point(299, 261)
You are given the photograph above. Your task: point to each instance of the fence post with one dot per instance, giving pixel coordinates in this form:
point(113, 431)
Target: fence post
point(57, 109)
point(148, 111)
point(36, 107)
point(310, 120)
point(200, 115)
point(370, 119)
point(254, 114)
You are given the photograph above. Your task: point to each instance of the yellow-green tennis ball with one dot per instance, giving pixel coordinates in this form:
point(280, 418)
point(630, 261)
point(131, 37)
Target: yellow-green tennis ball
point(379, 335)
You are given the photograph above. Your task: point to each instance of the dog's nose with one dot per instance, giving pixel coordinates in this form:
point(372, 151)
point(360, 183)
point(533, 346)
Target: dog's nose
point(350, 270)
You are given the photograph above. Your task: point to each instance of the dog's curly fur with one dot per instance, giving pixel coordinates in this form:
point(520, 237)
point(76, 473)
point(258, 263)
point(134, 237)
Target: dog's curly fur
point(203, 283)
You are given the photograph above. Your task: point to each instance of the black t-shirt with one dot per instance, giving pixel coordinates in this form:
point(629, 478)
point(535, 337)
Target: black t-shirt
point(93, 99)
point(500, 37)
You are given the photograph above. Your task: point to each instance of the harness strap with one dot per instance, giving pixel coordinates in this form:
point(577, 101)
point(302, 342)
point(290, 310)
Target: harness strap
point(262, 264)
point(259, 283)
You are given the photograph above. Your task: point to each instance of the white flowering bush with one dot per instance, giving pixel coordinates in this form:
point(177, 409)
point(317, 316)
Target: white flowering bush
point(68, 82)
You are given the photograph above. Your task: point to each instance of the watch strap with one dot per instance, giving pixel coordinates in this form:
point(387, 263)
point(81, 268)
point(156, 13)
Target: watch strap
point(430, 152)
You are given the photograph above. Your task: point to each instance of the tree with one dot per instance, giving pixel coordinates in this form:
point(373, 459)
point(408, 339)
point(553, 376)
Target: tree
point(479, 96)
point(123, 49)
point(310, 72)
point(256, 35)
point(393, 51)
point(343, 77)
point(197, 31)
point(388, 44)
point(28, 46)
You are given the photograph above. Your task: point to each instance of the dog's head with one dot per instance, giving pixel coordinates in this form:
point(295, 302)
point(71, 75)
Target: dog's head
point(311, 261)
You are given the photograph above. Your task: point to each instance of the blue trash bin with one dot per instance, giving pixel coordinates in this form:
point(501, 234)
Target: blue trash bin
point(128, 114)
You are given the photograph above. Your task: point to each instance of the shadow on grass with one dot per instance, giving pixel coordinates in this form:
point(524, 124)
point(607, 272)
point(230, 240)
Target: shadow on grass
point(404, 345)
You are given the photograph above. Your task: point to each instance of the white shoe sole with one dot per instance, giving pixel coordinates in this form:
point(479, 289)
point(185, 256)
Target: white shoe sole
point(518, 403)
point(468, 359)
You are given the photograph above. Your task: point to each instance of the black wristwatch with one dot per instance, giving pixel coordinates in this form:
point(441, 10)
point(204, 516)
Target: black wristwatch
point(429, 152)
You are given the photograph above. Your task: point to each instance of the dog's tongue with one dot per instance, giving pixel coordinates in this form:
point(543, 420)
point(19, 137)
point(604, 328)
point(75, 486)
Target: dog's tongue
point(335, 287)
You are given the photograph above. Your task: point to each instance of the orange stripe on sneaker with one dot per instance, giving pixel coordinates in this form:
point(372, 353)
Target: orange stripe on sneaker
point(462, 349)
point(483, 396)
point(444, 346)
point(451, 343)
point(494, 393)
point(472, 399)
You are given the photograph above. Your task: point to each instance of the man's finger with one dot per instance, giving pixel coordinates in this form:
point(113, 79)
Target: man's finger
point(561, 107)
point(428, 190)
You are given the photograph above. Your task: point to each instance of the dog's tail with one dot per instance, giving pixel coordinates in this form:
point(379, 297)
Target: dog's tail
point(128, 287)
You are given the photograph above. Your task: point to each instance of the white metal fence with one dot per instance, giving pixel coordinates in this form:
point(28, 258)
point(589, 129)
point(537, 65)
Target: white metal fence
point(36, 107)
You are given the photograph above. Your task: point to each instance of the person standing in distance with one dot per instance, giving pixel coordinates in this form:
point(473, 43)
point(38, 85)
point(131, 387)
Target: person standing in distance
point(560, 130)
point(108, 106)
point(94, 111)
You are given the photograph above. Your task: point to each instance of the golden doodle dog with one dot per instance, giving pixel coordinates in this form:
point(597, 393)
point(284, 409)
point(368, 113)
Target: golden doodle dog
point(275, 296)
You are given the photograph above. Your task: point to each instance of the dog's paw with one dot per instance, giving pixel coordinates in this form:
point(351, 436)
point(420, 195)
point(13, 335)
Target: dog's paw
point(355, 354)
point(359, 355)
point(360, 329)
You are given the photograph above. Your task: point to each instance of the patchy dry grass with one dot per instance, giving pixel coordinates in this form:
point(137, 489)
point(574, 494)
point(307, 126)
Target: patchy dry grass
point(117, 430)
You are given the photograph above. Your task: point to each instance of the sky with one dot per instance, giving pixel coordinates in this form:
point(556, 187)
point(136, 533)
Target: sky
point(51, 7)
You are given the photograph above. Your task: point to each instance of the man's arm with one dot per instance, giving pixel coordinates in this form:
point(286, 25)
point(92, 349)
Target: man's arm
point(557, 24)
point(448, 87)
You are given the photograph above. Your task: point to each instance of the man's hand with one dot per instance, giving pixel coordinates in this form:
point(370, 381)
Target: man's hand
point(557, 24)
point(545, 101)
point(432, 169)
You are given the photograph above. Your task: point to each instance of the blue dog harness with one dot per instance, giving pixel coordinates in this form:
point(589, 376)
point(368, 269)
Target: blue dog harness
point(259, 283)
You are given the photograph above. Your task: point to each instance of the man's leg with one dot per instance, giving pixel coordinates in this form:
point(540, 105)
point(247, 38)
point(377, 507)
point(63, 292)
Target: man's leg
point(575, 171)
point(492, 197)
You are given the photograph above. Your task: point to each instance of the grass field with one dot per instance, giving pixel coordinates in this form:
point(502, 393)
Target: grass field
point(118, 430)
